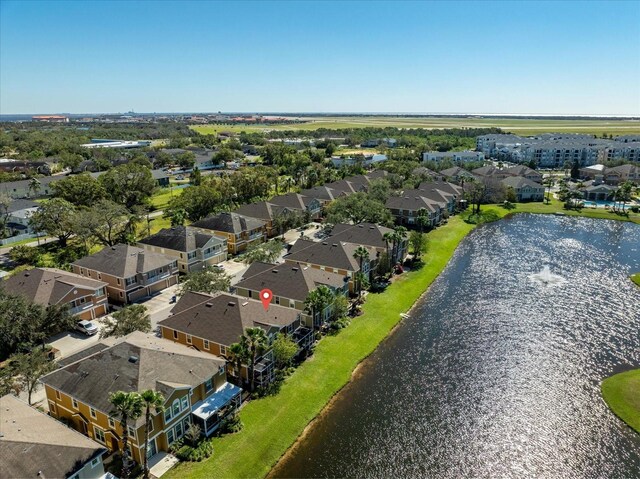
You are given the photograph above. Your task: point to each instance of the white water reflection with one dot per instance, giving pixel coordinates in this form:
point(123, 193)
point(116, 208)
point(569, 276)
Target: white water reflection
point(547, 278)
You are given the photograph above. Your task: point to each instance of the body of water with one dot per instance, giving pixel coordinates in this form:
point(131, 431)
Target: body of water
point(497, 372)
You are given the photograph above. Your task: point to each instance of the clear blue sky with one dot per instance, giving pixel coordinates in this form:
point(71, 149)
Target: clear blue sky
point(495, 57)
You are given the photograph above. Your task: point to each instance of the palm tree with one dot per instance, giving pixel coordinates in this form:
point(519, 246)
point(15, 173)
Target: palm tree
point(127, 406)
point(422, 219)
point(399, 235)
point(549, 184)
point(388, 238)
point(360, 254)
point(318, 300)
point(236, 355)
point(153, 401)
point(255, 341)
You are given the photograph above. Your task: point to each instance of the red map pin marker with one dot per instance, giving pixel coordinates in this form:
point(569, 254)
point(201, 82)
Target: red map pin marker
point(266, 296)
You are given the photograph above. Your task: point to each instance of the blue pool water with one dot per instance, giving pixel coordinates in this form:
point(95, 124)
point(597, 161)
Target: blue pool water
point(602, 204)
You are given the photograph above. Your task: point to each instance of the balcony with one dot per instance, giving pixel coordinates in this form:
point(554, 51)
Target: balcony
point(210, 412)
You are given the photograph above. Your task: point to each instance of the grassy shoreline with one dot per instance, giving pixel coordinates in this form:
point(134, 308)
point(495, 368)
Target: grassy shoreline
point(621, 392)
point(635, 278)
point(272, 425)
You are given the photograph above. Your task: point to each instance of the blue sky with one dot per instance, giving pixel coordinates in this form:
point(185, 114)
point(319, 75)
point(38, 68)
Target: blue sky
point(474, 57)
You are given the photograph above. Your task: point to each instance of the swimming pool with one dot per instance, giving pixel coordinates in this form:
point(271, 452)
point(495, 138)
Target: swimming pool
point(602, 204)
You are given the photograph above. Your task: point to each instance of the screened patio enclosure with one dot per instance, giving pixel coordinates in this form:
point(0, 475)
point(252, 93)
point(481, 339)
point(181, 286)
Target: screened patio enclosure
point(209, 413)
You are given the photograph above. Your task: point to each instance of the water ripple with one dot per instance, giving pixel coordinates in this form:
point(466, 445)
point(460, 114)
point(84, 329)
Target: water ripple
point(494, 375)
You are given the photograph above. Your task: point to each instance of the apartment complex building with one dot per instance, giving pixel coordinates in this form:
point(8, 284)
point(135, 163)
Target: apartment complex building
point(553, 150)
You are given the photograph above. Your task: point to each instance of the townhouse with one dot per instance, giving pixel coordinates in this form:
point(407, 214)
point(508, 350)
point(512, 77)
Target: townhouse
point(16, 217)
point(370, 235)
point(191, 248)
point(457, 174)
point(33, 444)
point(193, 383)
point(131, 273)
point(525, 172)
point(291, 285)
point(524, 189)
point(25, 188)
point(613, 175)
point(212, 323)
point(332, 256)
point(435, 199)
point(455, 156)
point(85, 297)
point(310, 207)
point(240, 231)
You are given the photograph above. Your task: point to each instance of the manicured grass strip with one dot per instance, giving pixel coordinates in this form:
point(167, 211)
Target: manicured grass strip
point(271, 425)
point(160, 200)
point(635, 278)
point(621, 392)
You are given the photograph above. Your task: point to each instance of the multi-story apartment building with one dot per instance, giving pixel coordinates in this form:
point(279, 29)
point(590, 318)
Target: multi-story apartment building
point(193, 383)
point(240, 231)
point(192, 248)
point(131, 273)
point(291, 285)
point(455, 156)
point(212, 323)
point(85, 297)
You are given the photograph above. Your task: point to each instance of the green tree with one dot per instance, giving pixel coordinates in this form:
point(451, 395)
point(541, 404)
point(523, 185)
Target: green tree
point(177, 216)
point(255, 341)
point(81, 190)
point(23, 254)
point(361, 254)
point(358, 208)
point(153, 401)
point(284, 350)
point(109, 222)
point(56, 218)
point(20, 323)
point(199, 201)
point(186, 159)
point(5, 212)
point(129, 184)
point(339, 307)
point(399, 235)
point(267, 252)
point(317, 301)
point(126, 321)
point(549, 182)
point(237, 355)
point(511, 195)
point(28, 368)
point(128, 406)
point(196, 177)
point(418, 242)
point(208, 280)
point(422, 220)
point(34, 186)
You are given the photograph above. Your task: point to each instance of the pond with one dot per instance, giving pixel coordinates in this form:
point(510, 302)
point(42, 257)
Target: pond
point(497, 371)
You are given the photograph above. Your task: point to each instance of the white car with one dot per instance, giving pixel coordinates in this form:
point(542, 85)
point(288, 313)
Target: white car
point(87, 327)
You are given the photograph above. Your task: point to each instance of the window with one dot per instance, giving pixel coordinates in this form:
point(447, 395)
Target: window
point(150, 425)
point(175, 409)
point(208, 385)
point(179, 430)
point(74, 403)
point(184, 402)
point(175, 334)
point(167, 415)
point(98, 434)
point(57, 394)
point(223, 350)
point(93, 413)
point(94, 462)
point(118, 280)
point(189, 339)
point(112, 423)
point(130, 281)
point(170, 436)
point(131, 432)
point(191, 255)
point(52, 407)
point(206, 344)
point(99, 276)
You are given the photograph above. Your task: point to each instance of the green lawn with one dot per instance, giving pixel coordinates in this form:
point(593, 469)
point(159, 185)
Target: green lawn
point(636, 278)
point(160, 199)
point(621, 392)
point(271, 425)
point(514, 125)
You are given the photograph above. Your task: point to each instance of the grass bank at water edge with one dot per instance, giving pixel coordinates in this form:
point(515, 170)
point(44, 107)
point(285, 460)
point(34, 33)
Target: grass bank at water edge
point(271, 425)
point(635, 278)
point(621, 392)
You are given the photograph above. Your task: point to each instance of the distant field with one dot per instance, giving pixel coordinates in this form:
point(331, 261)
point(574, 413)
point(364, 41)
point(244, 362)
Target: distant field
point(518, 126)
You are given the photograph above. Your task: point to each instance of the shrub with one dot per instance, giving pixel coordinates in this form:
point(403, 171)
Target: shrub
point(231, 424)
point(184, 453)
point(202, 451)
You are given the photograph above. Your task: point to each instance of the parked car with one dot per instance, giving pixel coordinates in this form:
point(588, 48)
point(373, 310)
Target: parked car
point(87, 327)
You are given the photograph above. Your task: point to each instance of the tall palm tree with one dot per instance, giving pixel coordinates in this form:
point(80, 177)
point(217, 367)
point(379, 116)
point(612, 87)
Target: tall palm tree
point(127, 406)
point(399, 235)
point(318, 300)
point(388, 238)
point(236, 355)
point(153, 401)
point(549, 184)
point(422, 219)
point(361, 254)
point(255, 341)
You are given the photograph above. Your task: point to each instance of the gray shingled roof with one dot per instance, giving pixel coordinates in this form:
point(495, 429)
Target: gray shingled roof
point(229, 223)
point(288, 281)
point(519, 182)
point(138, 362)
point(180, 238)
point(368, 234)
point(333, 254)
point(413, 200)
point(21, 204)
point(124, 261)
point(222, 318)
point(48, 286)
point(31, 441)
